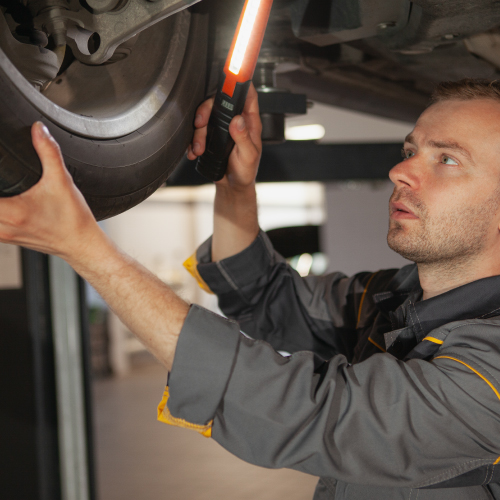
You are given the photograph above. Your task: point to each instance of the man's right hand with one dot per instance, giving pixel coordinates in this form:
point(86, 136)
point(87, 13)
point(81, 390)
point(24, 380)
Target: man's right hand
point(235, 210)
point(246, 131)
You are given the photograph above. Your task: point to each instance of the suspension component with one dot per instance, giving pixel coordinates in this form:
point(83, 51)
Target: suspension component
point(95, 32)
point(274, 102)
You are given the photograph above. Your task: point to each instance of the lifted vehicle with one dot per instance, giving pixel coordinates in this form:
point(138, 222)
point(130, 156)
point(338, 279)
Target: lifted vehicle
point(118, 81)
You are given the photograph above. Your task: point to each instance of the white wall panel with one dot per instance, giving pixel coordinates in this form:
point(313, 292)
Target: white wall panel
point(345, 126)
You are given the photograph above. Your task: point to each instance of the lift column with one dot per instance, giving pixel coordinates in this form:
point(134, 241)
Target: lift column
point(45, 416)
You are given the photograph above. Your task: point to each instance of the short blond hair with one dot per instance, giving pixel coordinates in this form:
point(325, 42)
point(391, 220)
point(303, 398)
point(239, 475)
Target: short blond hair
point(467, 89)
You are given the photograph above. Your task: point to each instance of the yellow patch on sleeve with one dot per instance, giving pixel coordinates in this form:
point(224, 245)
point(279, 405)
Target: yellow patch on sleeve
point(165, 417)
point(191, 265)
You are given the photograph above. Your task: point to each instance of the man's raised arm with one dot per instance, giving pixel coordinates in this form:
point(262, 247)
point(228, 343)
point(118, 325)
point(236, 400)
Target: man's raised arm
point(53, 217)
point(235, 211)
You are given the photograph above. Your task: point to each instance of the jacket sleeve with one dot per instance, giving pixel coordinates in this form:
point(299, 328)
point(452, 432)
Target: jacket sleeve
point(382, 422)
point(271, 302)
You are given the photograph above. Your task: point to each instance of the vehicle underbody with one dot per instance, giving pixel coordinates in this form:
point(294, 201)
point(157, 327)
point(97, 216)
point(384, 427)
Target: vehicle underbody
point(104, 72)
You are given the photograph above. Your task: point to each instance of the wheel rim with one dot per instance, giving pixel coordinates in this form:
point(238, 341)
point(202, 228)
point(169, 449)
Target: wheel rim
point(111, 101)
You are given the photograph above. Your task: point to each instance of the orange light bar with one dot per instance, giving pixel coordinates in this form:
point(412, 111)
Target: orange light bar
point(245, 48)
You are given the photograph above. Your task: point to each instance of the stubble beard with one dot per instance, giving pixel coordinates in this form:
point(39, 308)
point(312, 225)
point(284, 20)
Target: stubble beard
point(452, 239)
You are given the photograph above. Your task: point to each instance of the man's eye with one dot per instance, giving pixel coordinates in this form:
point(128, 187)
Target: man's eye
point(447, 160)
point(406, 153)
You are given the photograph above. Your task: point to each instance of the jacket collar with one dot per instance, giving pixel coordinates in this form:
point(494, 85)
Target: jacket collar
point(412, 319)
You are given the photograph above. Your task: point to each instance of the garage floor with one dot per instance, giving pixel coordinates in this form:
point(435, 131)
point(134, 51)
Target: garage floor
point(139, 458)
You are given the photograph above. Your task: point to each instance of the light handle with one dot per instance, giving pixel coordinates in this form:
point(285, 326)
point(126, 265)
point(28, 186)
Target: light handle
point(232, 92)
point(212, 164)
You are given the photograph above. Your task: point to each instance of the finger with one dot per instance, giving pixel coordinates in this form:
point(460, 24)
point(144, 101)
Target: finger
point(189, 153)
point(197, 146)
point(48, 151)
point(246, 149)
point(203, 113)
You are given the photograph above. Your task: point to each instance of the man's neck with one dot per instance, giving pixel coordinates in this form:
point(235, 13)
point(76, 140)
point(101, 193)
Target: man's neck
point(440, 277)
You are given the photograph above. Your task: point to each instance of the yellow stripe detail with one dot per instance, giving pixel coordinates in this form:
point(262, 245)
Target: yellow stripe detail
point(375, 344)
point(363, 299)
point(496, 461)
point(433, 339)
point(191, 265)
point(165, 416)
point(475, 371)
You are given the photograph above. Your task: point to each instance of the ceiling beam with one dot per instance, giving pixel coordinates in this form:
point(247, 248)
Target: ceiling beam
point(308, 161)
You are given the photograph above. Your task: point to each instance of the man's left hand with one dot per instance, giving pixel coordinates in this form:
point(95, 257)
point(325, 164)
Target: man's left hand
point(51, 217)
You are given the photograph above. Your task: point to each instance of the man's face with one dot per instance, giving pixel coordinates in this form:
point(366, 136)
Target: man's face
point(446, 202)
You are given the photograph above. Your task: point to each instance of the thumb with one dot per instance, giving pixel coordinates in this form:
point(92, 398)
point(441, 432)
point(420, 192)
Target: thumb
point(47, 149)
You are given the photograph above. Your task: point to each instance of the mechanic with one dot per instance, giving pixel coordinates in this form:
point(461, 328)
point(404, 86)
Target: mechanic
point(408, 403)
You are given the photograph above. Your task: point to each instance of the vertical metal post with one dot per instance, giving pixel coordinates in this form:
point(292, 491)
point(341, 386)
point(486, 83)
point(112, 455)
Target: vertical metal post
point(69, 381)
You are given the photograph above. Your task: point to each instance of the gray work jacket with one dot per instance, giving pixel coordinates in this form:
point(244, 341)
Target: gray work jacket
point(384, 396)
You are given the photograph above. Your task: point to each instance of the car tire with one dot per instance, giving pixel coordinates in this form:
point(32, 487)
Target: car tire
point(113, 173)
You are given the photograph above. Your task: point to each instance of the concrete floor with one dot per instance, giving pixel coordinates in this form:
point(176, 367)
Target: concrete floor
point(139, 458)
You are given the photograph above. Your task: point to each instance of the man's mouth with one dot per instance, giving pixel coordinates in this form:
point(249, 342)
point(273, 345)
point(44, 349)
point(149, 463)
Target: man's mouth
point(401, 211)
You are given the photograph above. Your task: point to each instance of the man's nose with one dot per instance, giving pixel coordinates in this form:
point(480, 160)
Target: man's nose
point(407, 173)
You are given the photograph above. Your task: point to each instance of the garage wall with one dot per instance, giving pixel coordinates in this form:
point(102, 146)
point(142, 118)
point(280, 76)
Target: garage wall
point(344, 126)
